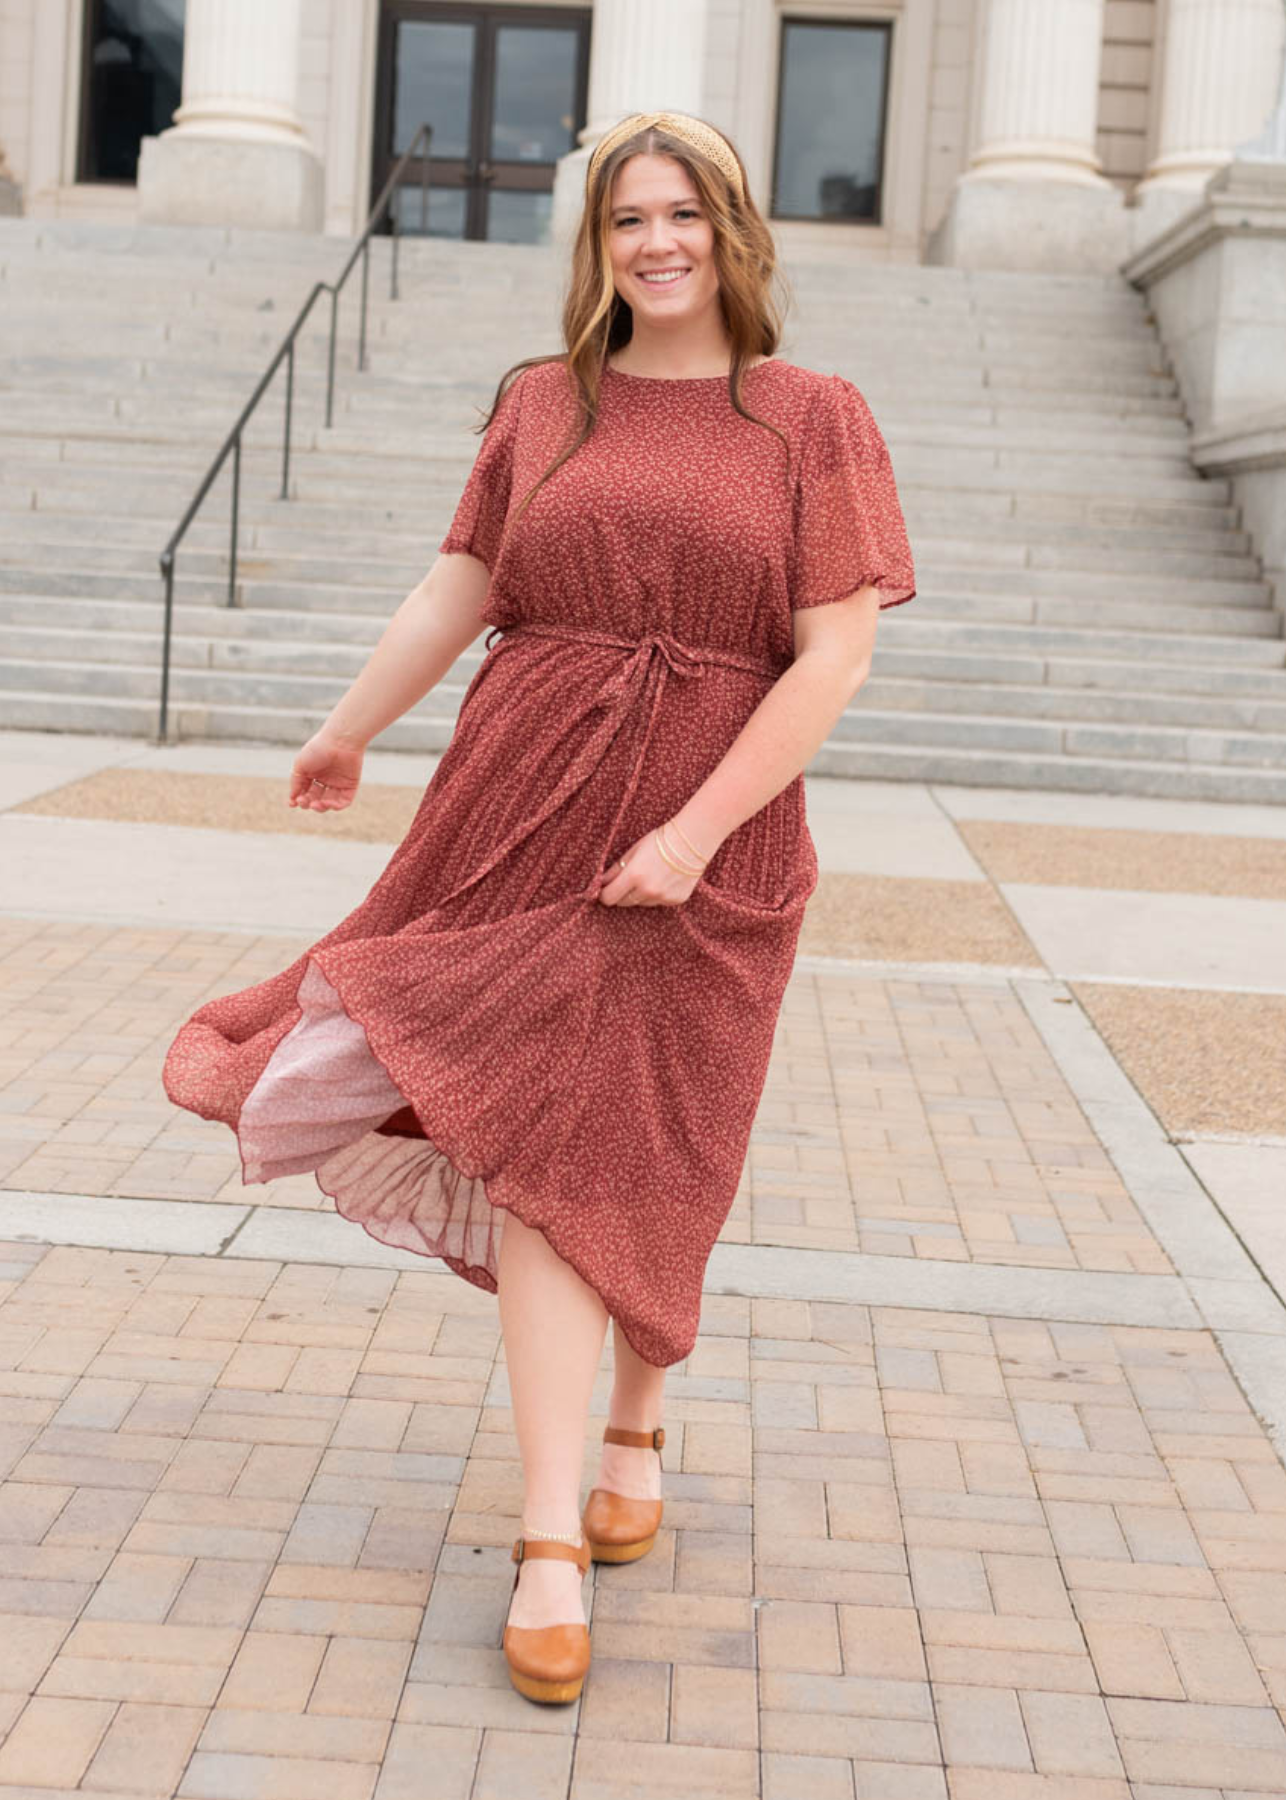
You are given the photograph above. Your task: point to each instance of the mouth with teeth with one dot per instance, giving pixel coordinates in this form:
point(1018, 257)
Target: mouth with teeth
point(662, 277)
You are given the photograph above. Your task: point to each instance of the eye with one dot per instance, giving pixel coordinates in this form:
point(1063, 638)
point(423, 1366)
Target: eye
point(680, 212)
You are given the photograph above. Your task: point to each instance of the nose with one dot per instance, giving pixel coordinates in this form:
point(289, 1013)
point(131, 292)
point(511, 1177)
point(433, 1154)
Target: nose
point(659, 236)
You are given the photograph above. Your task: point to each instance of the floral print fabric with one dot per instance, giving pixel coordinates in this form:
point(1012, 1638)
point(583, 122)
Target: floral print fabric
point(482, 1035)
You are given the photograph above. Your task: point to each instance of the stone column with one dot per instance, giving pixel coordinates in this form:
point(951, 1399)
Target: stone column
point(1039, 102)
point(237, 153)
point(1218, 80)
point(1033, 196)
point(643, 55)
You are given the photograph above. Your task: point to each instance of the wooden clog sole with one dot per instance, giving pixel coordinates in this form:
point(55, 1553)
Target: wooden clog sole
point(556, 1692)
point(620, 1553)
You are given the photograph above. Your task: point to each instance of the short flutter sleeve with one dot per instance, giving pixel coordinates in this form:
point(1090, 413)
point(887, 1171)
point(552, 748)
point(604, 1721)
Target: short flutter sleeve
point(479, 520)
point(848, 527)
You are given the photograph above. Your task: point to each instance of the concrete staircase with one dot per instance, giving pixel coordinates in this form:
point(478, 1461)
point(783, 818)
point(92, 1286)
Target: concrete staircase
point(1090, 616)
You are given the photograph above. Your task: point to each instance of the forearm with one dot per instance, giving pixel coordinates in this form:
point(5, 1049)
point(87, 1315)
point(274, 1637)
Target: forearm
point(778, 740)
point(420, 643)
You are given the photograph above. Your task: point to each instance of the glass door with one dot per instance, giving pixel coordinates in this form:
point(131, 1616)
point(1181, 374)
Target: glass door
point(504, 89)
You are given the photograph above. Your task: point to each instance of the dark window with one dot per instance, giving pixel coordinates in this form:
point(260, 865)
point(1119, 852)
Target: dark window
point(832, 96)
point(133, 74)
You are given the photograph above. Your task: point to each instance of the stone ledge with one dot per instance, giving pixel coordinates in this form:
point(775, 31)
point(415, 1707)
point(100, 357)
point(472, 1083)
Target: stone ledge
point(1255, 442)
point(1243, 200)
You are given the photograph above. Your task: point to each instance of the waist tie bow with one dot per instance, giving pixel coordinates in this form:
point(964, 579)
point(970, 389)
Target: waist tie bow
point(650, 661)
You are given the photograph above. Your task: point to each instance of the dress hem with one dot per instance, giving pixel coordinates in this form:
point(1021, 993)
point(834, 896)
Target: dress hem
point(478, 1274)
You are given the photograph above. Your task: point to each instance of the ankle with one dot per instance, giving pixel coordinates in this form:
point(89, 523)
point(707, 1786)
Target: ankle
point(550, 1523)
point(571, 1538)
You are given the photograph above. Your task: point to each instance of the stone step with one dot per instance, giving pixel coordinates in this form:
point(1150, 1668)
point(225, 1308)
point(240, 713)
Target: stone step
point(940, 449)
point(1023, 595)
point(1091, 585)
point(903, 393)
point(1079, 705)
point(864, 722)
point(416, 732)
point(938, 559)
point(1005, 513)
point(1052, 737)
point(165, 496)
point(1021, 695)
point(931, 648)
point(932, 525)
point(239, 346)
point(155, 510)
point(165, 290)
point(1063, 773)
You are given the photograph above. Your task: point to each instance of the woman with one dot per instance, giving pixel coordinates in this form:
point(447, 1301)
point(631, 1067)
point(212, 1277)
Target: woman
point(536, 1048)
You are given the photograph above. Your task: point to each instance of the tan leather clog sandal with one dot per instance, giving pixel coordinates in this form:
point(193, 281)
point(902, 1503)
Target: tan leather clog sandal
point(617, 1528)
point(548, 1662)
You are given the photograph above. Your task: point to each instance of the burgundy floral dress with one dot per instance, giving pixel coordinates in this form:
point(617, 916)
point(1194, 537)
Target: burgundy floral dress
point(482, 1034)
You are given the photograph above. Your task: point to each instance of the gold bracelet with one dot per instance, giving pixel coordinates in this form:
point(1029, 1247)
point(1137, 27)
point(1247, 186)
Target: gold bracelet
point(670, 859)
point(703, 860)
point(663, 827)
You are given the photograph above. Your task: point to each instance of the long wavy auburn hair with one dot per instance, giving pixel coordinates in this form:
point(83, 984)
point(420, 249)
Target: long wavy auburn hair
point(753, 292)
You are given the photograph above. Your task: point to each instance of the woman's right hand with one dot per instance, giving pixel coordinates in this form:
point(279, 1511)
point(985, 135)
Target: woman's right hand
point(326, 773)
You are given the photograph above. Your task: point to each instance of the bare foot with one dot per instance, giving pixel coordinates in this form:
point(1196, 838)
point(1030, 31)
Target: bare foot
point(631, 1470)
point(548, 1593)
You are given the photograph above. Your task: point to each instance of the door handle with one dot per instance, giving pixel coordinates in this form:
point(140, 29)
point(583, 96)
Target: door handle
point(485, 172)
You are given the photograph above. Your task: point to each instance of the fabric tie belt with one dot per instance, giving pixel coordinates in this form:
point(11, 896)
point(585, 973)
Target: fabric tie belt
point(684, 659)
point(645, 670)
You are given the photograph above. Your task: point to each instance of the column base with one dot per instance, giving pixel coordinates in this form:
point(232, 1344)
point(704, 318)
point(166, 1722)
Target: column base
point(1051, 227)
point(569, 195)
point(192, 180)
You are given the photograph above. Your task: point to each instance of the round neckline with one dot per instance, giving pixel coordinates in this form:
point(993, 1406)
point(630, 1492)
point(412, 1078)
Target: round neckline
point(686, 380)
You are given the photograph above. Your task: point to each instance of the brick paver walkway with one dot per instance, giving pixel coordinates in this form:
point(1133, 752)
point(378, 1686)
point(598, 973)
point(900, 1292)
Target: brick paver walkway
point(255, 1532)
point(255, 1529)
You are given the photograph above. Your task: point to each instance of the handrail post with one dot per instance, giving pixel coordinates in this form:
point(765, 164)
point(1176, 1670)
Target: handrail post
point(167, 569)
point(236, 500)
point(330, 354)
point(290, 395)
point(366, 274)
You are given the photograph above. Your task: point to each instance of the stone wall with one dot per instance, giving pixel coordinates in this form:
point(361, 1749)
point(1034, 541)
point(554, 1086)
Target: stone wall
point(1124, 112)
point(949, 103)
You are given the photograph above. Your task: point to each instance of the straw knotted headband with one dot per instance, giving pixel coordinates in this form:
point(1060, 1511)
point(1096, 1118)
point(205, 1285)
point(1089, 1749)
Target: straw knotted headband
point(702, 137)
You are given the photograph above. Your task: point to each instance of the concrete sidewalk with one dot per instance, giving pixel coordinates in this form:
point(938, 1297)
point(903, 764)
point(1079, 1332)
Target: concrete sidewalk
point(974, 1479)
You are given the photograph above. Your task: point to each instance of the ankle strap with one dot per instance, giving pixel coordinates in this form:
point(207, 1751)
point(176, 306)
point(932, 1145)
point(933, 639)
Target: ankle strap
point(529, 1549)
point(641, 1440)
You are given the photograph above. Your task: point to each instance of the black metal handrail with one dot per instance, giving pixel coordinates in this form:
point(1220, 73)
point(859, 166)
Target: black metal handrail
point(286, 352)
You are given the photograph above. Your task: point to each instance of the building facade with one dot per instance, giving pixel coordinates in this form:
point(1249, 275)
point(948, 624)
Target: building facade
point(1047, 133)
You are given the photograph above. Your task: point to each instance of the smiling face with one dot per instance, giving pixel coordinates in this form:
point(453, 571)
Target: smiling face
point(662, 243)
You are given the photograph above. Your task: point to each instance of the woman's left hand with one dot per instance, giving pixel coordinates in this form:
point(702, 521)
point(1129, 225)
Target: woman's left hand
point(647, 879)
